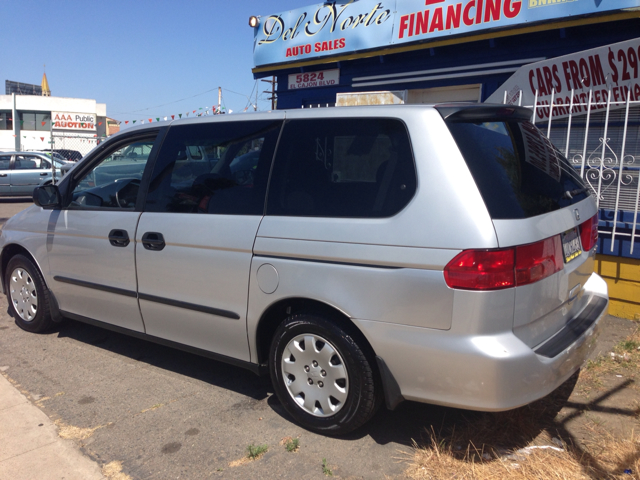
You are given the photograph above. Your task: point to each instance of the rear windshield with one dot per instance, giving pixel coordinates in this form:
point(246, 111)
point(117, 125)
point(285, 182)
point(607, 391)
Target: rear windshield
point(519, 173)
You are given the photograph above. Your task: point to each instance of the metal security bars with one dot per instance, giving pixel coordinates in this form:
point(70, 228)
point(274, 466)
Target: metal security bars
point(599, 133)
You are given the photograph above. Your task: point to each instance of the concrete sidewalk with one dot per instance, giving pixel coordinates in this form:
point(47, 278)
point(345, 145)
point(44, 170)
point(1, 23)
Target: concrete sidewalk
point(30, 447)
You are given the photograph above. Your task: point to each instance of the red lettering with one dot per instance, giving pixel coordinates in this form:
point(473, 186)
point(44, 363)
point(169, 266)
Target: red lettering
point(541, 87)
point(479, 11)
point(575, 74)
point(403, 25)
point(567, 75)
point(307, 48)
point(318, 46)
point(597, 74)
point(512, 10)
point(436, 23)
point(466, 17)
point(636, 92)
point(548, 81)
point(422, 22)
point(492, 11)
point(453, 16)
point(411, 20)
point(531, 77)
point(342, 42)
point(584, 72)
point(558, 84)
point(616, 94)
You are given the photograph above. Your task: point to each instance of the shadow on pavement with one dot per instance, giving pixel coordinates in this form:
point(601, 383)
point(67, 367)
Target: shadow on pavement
point(410, 421)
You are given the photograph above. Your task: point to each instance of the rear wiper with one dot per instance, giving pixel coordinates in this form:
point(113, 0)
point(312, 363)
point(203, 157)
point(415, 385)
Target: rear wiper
point(571, 193)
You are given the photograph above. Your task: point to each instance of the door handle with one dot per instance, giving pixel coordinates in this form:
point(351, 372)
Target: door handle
point(3, 174)
point(118, 238)
point(44, 174)
point(153, 241)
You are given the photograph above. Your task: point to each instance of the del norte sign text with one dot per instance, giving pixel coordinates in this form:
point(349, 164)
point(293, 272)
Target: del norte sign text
point(329, 29)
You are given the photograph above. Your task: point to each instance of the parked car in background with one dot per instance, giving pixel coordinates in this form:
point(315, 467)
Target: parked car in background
point(65, 154)
point(50, 154)
point(21, 172)
point(359, 256)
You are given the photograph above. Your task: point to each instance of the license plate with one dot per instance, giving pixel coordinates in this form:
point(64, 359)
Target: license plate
point(571, 245)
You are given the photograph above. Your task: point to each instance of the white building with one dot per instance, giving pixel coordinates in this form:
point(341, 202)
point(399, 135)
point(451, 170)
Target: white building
point(33, 122)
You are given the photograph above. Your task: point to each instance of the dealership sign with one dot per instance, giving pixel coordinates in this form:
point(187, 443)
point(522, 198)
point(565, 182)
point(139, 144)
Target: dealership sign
point(73, 121)
point(336, 28)
point(587, 77)
point(324, 78)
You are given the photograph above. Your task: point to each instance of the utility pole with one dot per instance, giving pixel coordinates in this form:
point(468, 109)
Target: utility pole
point(272, 91)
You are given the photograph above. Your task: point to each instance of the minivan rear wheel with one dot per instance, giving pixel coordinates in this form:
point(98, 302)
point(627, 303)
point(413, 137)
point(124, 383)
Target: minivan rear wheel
point(27, 295)
point(321, 376)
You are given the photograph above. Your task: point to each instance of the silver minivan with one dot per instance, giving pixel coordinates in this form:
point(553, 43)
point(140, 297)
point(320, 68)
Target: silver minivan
point(440, 254)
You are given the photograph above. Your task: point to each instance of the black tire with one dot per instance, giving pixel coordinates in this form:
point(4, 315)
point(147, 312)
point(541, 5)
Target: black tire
point(23, 281)
point(360, 400)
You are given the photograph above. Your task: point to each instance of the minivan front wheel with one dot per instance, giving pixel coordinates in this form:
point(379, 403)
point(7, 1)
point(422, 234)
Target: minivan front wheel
point(321, 376)
point(27, 295)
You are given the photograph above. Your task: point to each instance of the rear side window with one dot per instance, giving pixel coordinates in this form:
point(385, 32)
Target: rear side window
point(519, 173)
point(216, 168)
point(355, 167)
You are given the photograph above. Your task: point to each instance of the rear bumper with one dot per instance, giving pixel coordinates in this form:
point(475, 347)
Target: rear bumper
point(486, 372)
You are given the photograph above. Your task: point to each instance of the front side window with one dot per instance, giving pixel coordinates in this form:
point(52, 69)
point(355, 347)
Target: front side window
point(356, 167)
point(215, 168)
point(114, 182)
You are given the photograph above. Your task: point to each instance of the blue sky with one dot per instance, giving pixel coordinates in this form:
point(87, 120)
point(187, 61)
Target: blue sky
point(144, 59)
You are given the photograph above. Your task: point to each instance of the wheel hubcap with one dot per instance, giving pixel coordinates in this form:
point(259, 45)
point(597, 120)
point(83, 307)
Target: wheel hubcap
point(23, 294)
point(315, 375)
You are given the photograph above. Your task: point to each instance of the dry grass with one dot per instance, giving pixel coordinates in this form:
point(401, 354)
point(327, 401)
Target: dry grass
point(113, 471)
point(494, 445)
point(606, 458)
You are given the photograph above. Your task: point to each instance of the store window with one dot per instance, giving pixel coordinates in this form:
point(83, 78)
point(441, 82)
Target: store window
point(38, 121)
point(6, 120)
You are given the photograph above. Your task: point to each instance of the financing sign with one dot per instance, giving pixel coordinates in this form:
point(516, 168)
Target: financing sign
point(330, 29)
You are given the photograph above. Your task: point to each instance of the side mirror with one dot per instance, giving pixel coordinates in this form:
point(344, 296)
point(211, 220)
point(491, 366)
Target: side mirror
point(47, 196)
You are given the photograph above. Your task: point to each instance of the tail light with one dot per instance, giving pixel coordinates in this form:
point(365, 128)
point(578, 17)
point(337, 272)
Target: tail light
point(589, 233)
point(505, 268)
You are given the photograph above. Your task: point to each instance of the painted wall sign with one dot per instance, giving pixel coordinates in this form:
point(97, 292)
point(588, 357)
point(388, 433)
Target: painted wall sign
point(73, 121)
point(614, 68)
point(314, 79)
point(328, 29)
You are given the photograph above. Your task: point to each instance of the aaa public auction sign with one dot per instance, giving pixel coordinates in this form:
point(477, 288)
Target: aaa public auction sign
point(614, 68)
point(73, 121)
point(336, 28)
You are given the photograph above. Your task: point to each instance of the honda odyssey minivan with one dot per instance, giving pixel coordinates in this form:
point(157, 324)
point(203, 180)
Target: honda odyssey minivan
point(359, 256)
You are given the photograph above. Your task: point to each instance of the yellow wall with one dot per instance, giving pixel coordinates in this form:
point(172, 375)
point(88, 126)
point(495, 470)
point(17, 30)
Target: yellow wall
point(623, 278)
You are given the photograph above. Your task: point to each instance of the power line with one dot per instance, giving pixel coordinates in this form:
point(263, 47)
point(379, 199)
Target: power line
point(170, 103)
